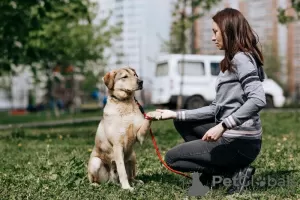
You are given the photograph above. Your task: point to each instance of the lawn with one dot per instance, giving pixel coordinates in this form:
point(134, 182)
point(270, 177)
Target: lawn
point(50, 163)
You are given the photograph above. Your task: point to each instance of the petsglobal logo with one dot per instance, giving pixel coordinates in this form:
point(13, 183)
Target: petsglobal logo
point(259, 182)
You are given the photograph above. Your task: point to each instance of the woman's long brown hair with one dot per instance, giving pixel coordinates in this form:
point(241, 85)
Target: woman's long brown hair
point(237, 36)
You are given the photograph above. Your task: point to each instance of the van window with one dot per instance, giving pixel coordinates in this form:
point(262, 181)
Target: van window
point(162, 69)
point(191, 68)
point(214, 68)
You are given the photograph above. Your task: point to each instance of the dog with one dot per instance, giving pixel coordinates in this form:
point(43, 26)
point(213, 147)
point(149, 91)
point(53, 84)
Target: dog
point(113, 158)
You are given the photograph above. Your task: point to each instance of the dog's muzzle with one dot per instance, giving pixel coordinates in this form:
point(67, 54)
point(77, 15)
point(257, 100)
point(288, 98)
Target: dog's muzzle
point(140, 84)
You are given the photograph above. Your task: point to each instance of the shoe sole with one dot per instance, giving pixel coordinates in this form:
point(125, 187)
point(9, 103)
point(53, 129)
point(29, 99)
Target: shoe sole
point(249, 173)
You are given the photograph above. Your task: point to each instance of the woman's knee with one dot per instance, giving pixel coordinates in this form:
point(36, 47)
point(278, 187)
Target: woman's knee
point(170, 157)
point(175, 154)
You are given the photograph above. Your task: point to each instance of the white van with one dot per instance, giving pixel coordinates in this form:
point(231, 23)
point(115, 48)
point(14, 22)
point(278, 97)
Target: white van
point(200, 74)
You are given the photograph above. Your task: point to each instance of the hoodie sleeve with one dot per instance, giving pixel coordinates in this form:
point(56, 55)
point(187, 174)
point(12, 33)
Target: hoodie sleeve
point(253, 89)
point(204, 113)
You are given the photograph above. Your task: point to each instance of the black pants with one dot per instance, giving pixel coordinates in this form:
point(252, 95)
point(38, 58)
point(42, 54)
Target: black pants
point(224, 156)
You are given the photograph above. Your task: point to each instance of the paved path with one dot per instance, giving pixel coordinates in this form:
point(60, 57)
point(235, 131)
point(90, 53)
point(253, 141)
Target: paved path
point(51, 123)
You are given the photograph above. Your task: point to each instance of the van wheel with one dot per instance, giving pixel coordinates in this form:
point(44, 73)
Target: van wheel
point(270, 102)
point(195, 102)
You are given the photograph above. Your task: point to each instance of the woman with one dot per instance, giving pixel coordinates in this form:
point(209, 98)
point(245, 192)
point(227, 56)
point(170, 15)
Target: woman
point(225, 137)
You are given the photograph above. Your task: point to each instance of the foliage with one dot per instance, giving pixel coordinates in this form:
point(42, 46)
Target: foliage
point(272, 66)
point(50, 163)
point(272, 63)
point(50, 31)
point(289, 14)
point(183, 21)
point(94, 71)
point(52, 34)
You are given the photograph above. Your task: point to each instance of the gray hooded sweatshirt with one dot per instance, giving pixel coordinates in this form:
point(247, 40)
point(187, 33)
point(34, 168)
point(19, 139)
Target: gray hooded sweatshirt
point(239, 98)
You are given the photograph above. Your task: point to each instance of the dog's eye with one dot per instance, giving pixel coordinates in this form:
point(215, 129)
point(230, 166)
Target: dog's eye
point(125, 76)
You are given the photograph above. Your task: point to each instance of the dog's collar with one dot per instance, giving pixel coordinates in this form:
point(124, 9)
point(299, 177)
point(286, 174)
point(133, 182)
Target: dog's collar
point(136, 101)
point(117, 99)
point(114, 97)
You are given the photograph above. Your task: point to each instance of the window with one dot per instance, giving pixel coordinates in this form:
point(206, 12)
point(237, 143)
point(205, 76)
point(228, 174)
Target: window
point(119, 16)
point(191, 68)
point(162, 69)
point(214, 69)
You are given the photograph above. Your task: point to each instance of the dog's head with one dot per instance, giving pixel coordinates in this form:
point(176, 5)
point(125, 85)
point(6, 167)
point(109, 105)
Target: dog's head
point(122, 82)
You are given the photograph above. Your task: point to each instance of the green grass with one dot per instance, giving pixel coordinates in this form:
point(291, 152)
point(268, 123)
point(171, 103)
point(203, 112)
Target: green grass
point(50, 163)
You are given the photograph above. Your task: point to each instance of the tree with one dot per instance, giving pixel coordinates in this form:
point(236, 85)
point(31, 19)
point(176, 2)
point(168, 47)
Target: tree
point(291, 13)
point(52, 33)
point(287, 16)
point(185, 23)
point(271, 63)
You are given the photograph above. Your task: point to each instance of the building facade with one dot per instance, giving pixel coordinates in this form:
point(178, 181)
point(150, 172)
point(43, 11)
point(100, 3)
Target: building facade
point(146, 26)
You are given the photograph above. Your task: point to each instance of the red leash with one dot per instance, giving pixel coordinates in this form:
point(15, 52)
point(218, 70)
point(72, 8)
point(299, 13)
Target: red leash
point(156, 147)
point(161, 159)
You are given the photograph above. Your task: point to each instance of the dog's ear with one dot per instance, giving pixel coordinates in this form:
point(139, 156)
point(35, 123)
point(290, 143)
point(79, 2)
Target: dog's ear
point(109, 78)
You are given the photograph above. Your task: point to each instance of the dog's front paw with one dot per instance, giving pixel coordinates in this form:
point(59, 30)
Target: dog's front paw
point(128, 188)
point(154, 115)
point(95, 184)
point(137, 181)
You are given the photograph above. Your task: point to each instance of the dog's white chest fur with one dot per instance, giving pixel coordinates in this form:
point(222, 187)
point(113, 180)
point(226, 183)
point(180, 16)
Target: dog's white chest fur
point(119, 116)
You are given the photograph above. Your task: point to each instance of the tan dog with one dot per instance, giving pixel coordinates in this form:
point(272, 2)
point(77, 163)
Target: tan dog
point(113, 158)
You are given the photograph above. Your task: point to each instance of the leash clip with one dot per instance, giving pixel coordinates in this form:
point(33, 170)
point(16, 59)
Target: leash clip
point(147, 117)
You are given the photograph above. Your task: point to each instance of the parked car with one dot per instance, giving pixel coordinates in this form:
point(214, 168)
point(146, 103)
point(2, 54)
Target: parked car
point(199, 77)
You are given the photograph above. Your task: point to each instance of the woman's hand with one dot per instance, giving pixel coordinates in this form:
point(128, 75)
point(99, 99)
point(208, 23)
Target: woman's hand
point(167, 114)
point(214, 133)
point(161, 114)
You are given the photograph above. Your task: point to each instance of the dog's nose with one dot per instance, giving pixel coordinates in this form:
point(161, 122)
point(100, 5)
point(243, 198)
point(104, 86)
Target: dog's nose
point(140, 82)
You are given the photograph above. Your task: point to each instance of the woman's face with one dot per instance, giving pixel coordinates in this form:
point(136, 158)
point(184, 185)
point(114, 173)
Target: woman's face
point(217, 36)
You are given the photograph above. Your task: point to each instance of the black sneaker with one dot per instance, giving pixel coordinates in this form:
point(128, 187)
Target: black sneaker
point(206, 179)
point(240, 180)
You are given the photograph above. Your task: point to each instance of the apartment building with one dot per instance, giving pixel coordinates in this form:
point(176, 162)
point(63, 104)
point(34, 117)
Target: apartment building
point(146, 25)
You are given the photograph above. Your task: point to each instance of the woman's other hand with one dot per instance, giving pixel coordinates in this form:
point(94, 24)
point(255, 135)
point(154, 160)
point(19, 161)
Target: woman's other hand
point(214, 133)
